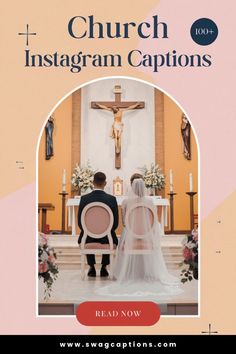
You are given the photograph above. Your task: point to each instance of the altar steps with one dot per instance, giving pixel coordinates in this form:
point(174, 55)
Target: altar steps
point(68, 252)
point(73, 265)
point(71, 260)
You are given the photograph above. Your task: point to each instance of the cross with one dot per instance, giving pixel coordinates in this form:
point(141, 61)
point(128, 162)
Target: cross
point(209, 331)
point(117, 107)
point(27, 34)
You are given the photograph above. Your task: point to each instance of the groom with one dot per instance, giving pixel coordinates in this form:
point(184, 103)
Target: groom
point(98, 195)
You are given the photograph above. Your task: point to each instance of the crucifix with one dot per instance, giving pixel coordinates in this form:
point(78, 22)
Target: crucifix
point(117, 107)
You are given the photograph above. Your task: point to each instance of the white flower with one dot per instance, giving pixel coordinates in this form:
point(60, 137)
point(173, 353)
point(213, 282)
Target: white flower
point(153, 177)
point(44, 256)
point(190, 245)
point(82, 177)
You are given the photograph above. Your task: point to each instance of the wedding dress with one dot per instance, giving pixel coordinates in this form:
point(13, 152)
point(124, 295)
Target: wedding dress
point(139, 268)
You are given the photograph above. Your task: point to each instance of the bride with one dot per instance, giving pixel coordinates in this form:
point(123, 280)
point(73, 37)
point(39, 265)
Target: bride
point(140, 268)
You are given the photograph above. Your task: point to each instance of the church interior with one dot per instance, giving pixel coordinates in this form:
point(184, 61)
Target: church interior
point(153, 131)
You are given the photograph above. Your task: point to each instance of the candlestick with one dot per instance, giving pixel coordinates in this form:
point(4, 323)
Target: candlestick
point(171, 194)
point(171, 181)
point(63, 211)
point(64, 181)
point(190, 182)
point(191, 195)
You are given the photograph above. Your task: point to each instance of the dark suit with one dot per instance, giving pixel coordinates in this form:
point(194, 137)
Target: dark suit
point(99, 196)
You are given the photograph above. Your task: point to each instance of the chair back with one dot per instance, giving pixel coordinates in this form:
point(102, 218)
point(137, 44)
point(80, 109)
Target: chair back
point(97, 221)
point(140, 232)
point(139, 228)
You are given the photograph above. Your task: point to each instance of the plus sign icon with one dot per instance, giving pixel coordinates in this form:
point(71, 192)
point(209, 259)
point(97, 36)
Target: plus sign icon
point(204, 31)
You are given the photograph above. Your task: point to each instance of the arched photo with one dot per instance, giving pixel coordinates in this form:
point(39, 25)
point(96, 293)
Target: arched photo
point(118, 200)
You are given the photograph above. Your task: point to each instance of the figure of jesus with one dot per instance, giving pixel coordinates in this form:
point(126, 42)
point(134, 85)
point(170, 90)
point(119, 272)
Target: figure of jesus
point(117, 126)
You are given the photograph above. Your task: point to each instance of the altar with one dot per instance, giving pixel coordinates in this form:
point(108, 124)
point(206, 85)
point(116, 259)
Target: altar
point(72, 203)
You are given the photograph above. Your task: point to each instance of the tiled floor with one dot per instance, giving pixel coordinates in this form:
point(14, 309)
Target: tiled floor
point(69, 287)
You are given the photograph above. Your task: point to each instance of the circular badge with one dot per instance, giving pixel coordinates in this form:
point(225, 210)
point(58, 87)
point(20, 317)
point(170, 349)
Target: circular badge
point(204, 31)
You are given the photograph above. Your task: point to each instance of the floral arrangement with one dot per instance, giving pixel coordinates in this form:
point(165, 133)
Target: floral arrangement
point(153, 177)
point(190, 254)
point(47, 269)
point(82, 177)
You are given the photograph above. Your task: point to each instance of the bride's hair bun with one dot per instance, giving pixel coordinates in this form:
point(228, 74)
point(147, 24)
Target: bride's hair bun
point(135, 176)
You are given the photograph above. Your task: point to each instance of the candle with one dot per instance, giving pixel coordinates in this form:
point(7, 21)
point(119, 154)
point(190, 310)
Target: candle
point(171, 181)
point(64, 181)
point(190, 182)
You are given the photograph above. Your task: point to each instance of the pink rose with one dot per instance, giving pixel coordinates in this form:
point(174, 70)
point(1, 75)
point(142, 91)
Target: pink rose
point(43, 239)
point(51, 259)
point(188, 255)
point(43, 267)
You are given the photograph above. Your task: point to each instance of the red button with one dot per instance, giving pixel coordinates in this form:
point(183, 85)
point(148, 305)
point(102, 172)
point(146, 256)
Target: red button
point(118, 313)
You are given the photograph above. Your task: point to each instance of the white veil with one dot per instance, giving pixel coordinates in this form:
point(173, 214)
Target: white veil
point(140, 268)
point(138, 189)
point(139, 254)
point(139, 240)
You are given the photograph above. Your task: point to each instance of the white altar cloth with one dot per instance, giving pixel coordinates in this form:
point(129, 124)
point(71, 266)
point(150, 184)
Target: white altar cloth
point(72, 203)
